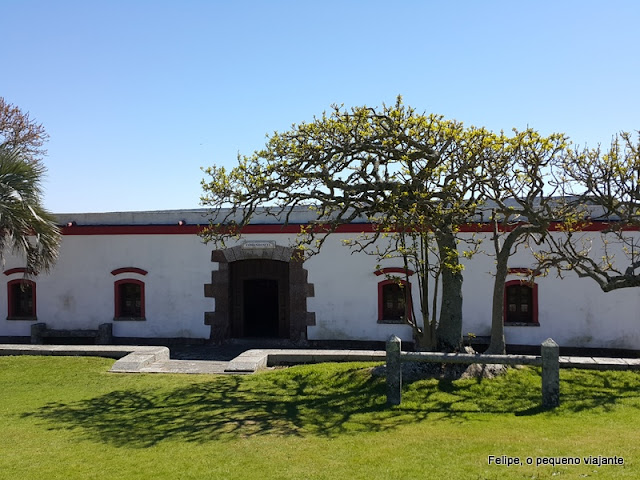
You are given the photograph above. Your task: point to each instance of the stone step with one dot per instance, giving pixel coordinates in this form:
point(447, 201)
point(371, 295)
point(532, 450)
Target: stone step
point(186, 366)
point(600, 363)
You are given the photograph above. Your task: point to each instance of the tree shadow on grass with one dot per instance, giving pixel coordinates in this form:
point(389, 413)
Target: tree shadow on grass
point(519, 392)
point(229, 407)
point(295, 402)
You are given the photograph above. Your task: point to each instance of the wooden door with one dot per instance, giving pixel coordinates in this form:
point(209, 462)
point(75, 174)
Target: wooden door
point(259, 298)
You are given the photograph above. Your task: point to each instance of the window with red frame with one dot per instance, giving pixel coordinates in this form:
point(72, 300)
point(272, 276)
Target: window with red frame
point(394, 304)
point(129, 299)
point(520, 303)
point(21, 296)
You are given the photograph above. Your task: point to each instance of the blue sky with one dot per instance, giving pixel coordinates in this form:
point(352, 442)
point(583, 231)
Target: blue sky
point(138, 95)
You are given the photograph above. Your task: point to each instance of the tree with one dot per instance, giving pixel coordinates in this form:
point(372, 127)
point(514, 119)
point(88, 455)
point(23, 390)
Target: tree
point(413, 176)
point(521, 188)
point(27, 228)
point(19, 132)
point(605, 188)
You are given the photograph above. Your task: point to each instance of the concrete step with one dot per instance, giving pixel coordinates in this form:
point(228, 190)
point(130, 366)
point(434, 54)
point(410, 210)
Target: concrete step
point(186, 366)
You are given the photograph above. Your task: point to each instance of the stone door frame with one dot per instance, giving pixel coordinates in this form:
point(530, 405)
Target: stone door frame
point(299, 290)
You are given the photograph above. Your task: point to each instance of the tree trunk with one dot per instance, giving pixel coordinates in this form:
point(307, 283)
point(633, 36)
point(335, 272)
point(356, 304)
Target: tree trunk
point(424, 338)
point(449, 331)
point(498, 344)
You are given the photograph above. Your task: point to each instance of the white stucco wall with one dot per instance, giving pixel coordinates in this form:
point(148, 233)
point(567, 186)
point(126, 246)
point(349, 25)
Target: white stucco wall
point(79, 293)
point(573, 311)
point(346, 295)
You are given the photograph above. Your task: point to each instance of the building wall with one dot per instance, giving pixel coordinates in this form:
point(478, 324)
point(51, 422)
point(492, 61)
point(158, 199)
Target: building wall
point(346, 295)
point(573, 311)
point(79, 293)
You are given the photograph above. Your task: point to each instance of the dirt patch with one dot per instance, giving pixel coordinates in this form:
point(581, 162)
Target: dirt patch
point(412, 371)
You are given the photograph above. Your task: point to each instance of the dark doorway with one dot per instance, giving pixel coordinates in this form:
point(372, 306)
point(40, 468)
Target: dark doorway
point(259, 298)
point(260, 307)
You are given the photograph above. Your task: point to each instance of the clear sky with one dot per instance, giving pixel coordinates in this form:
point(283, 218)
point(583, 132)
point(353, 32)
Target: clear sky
point(137, 95)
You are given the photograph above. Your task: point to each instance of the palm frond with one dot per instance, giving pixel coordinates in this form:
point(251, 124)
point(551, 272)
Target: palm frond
point(26, 227)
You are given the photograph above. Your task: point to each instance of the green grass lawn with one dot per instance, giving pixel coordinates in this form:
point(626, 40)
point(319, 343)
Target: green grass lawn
point(67, 418)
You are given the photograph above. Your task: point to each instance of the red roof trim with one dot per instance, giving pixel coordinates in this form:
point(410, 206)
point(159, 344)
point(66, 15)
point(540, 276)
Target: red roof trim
point(118, 271)
point(131, 230)
point(294, 229)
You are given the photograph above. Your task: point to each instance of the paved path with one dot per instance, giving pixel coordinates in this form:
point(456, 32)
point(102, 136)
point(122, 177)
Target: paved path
point(202, 359)
point(136, 359)
point(187, 366)
point(241, 359)
point(237, 359)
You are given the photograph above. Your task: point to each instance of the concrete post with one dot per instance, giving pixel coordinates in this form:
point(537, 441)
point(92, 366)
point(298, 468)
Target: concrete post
point(394, 371)
point(550, 374)
point(37, 333)
point(105, 334)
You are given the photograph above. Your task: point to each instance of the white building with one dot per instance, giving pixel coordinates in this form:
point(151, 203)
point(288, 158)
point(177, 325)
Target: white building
point(150, 275)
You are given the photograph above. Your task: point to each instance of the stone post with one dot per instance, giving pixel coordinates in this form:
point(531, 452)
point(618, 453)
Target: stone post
point(37, 333)
point(394, 371)
point(550, 374)
point(105, 334)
